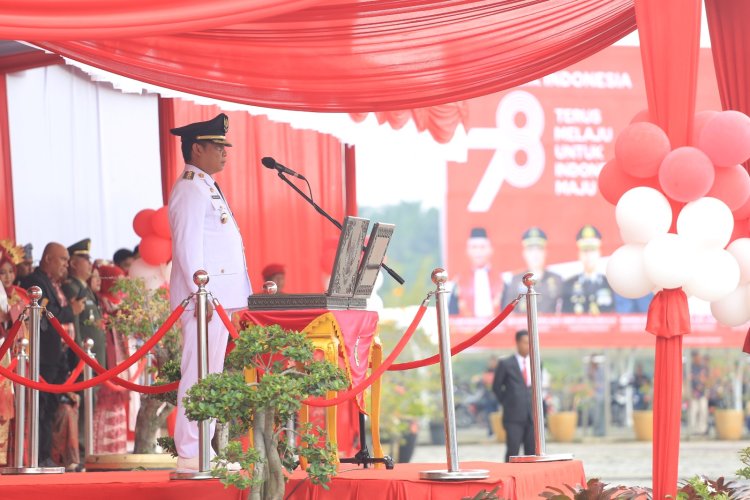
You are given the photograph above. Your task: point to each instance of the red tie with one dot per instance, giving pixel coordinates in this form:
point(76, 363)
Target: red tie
point(525, 373)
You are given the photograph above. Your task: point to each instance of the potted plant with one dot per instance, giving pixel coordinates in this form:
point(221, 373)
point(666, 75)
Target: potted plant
point(643, 414)
point(569, 395)
point(289, 375)
point(728, 416)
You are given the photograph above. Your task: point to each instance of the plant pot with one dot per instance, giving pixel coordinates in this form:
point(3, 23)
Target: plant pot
point(729, 424)
point(437, 432)
point(496, 421)
point(643, 425)
point(129, 461)
point(562, 425)
point(406, 446)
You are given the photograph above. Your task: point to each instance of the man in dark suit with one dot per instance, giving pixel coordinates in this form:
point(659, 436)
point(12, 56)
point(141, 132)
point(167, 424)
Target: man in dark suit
point(512, 386)
point(53, 366)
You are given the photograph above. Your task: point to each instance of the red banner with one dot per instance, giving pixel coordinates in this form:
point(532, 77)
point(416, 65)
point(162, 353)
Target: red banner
point(535, 153)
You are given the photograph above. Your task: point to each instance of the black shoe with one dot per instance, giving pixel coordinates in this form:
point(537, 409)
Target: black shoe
point(48, 462)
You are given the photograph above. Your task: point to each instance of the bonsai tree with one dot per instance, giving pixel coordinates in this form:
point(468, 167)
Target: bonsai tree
point(289, 374)
point(141, 312)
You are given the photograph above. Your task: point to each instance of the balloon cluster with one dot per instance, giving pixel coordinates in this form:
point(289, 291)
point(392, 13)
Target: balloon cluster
point(156, 238)
point(678, 209)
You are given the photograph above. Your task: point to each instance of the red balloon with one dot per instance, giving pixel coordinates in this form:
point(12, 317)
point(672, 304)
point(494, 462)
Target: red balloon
point(732, 186)
point(642, 116)
point(640, 149)
point(743, 212)
point(613, 182)
point(741, 230)
point(686, 174)
point(160, 223)
point(726, 138)
point(699, 122)
point(676, 208)
point(155, 250)
point(142, 222)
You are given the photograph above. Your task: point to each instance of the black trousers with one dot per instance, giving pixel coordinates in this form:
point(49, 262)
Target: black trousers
point(48, 403)
point(517, 433)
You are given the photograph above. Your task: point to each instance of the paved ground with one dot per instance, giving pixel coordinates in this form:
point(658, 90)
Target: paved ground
point(616, 460)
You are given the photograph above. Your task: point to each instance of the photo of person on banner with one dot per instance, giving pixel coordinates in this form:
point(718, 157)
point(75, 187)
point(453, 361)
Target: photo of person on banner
point(549, 284)
point(588, 292)
point(477, 293)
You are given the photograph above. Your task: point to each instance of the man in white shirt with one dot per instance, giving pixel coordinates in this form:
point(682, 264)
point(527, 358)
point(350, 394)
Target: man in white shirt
point(477, 293)
point(204, 236)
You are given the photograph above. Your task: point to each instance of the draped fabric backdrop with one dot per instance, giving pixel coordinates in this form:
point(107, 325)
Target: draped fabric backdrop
point(669, 31)
point(364, 55)
point(277, 225)
point(730, 44)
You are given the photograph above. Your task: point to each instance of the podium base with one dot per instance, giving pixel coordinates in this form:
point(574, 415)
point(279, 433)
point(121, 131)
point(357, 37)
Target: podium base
point(31, 470)
point(459, 475)
point(527, 459)
point(190, 474)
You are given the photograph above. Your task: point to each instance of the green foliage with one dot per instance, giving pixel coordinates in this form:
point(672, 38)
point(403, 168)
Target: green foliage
point(595, 489)
point(702, 488)
point(413, 252)
point(290, 374)
point(744, 472)
point(485, 495)
point(167, 444)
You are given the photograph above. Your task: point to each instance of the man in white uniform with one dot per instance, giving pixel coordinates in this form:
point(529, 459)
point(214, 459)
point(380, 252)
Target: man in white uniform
point(204, 236)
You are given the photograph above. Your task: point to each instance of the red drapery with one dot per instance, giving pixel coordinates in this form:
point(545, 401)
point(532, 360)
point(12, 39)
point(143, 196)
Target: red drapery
point(730, 45)
point(88, 19)
point(368, 55)
point(440, 121)
point(292, 232)
point(669, 31)
point(171, 159)
point(350, 177)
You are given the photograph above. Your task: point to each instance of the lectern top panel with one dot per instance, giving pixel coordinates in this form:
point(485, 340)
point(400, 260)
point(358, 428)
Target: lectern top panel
point(380, 236)
point(348, 254)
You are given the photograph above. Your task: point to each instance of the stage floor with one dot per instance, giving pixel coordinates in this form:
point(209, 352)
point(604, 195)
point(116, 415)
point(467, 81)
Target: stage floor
point(515, 482)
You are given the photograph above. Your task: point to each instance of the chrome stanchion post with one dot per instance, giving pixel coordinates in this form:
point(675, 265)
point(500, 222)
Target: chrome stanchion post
point(20, 427)
point(454, 472)
point(88, 402)
point(200, 278)
point(536, 380)
point(35, 321)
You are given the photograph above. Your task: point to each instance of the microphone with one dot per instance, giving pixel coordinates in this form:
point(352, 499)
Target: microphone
point(269, 162)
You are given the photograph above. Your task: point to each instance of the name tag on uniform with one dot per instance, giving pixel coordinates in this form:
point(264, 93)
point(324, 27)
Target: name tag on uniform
point(216, 197)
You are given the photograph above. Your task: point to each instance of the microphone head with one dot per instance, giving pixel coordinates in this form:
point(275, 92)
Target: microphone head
point(268, 162)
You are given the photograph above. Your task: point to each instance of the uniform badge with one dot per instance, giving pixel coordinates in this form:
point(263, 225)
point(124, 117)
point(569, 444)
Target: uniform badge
point(211, 190)
point(224, 217)
point(215, 197)
point(188, 175)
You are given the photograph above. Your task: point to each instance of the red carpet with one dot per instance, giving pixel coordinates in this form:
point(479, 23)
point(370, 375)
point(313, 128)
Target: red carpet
point(516, 482)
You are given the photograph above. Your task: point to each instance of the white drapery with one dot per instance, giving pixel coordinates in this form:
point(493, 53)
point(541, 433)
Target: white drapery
point(85, 159)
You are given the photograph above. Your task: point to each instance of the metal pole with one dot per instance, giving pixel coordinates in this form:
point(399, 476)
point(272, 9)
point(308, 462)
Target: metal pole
point(23, 358)
point(439, 277)
point(200, 278)
point(536, 379)
point(35, 321)
point(88, 402)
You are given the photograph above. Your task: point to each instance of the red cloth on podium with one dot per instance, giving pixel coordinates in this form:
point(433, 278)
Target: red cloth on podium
point(357, 331)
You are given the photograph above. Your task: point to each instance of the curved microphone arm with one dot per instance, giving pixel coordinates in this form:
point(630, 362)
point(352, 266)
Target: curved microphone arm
point(336, 223)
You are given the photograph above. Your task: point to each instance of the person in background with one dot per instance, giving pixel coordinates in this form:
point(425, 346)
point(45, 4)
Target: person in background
point(26, 266)
point(512, 387)
point(53, 364)
point(588, 292)
point(548, 284)
point(277, 274)
point(478, 292)
point(123, 258)
point(698, 406)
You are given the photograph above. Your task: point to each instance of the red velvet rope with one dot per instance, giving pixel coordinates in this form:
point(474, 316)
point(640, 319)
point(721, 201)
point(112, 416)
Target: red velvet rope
point(354, 391)
point(11, 336)
point(410, 365)
point(11, 366)
point(103, 374)
point(74, 374)
point(225, 319)
point(138, 372)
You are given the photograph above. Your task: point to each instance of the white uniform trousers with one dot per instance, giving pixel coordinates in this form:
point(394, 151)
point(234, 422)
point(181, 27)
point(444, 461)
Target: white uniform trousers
point(185, 431)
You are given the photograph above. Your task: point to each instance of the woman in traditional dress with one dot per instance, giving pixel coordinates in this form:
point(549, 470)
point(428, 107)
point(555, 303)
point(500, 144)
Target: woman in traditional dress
point(10, 310)
point(110, 421)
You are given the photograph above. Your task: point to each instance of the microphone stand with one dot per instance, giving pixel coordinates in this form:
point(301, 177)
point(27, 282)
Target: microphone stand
point(336, 223)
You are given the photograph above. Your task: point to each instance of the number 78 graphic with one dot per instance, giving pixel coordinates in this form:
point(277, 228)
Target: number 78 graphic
point(517, 140)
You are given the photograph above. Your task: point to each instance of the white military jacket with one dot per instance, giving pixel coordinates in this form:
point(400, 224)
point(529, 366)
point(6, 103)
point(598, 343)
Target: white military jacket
point(205, 236)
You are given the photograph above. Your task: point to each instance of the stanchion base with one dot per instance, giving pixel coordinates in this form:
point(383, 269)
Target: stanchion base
point(527, 459)
point(190, 474)
point(31, 470)
point(459, 475)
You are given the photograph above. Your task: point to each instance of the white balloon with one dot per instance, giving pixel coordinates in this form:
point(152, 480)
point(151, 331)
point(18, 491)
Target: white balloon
point(643, 213)
point(734, 309)
point(626, 272)
point(740, 248)
point(152, 275)
point(706, 221)
point(668, 260)
point(715, 275)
